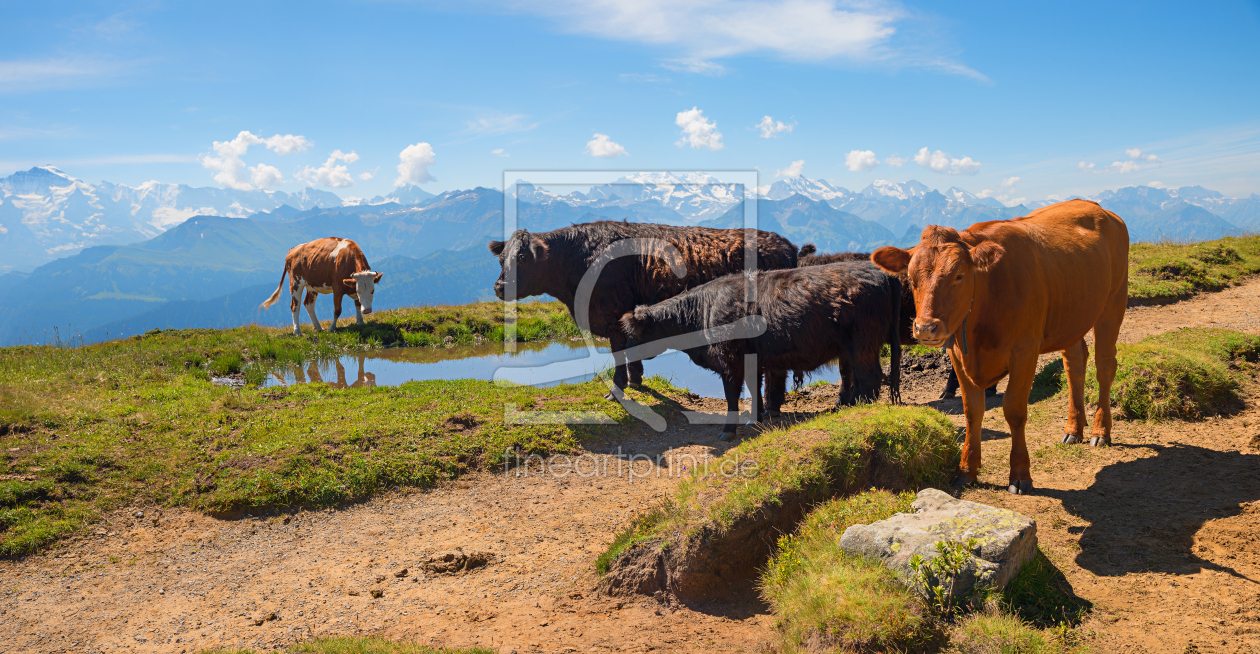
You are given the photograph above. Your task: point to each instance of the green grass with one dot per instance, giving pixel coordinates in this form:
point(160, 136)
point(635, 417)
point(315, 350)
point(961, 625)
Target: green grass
point(360, 645)
point(1188, 374)
point(89, 429)
point(998, 632)
point(1161, 272)
point(826, 599)
point(467, 324)
point(896, 447)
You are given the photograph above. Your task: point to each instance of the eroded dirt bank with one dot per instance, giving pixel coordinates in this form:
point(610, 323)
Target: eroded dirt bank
point(1161, 533)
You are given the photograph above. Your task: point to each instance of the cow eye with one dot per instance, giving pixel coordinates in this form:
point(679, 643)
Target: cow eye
point(958, 278)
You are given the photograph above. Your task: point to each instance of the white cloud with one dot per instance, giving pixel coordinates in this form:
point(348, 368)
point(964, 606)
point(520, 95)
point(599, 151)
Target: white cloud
point(698, 131)
point(1086, 167)
point(793, 170)
point(330, 174)
point(499, 124)
point(230, 167)
point(413, 164)
point(602, 147)
point(1010, 181)
point(894, 161)
point(986, 193)
point(1137, 155)
point(940, 162)
point(860, 161)
point(264, 176)
point(704, 30)
point(1156, 185)
point(499, 152)
point(1125, 166)
point(30, 75)
point(770, 128)
point(365, 176)
point(650, 78)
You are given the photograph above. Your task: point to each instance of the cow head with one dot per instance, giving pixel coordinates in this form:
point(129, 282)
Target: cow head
point(643, 330)
point(521, 259)
point(941, 272)
point(362, 285)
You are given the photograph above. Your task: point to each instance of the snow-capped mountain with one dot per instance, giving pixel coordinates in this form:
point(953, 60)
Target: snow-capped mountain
point(46, 214)
point(881, 188)
point(814, 189)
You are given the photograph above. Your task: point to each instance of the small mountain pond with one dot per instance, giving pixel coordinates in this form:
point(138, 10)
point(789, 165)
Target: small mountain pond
point(535, 364)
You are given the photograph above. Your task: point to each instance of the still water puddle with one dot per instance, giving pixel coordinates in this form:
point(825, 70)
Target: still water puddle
point(533, 364)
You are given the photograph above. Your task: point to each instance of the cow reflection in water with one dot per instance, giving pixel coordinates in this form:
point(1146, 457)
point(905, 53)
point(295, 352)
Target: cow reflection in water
point(312, 375)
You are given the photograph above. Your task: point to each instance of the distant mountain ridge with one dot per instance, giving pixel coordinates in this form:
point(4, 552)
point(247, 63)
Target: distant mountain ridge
point(45, 213)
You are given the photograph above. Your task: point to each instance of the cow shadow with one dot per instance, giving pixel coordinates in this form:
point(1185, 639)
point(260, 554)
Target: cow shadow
point(1143, 514)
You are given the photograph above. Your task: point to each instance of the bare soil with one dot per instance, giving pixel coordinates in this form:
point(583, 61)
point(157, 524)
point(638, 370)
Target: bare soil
point(1161, 533)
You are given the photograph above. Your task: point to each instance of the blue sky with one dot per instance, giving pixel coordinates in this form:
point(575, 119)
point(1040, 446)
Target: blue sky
point(129, 92)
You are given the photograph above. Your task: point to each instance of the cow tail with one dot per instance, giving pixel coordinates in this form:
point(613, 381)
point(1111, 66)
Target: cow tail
point(894, 344)
point(280, 287)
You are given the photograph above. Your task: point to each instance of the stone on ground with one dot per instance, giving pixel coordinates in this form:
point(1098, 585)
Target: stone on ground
point(1005, 540)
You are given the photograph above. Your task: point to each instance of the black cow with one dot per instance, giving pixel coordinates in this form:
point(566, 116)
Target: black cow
point(809, 256)
point(555, 262)
point(813, 315)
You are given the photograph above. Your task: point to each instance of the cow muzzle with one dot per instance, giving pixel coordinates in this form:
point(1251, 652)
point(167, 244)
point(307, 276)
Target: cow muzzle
point(498, 289)
point(931, 333)
point(366, 311)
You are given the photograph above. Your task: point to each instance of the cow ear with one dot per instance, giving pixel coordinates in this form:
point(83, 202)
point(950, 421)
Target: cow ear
point(496, 247)
point(891, 259)
point(985, 255)
point(538, 248)
point(350, 282)
point(378, 278)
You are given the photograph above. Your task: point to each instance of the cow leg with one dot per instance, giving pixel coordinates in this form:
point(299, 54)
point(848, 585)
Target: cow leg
point(776, 388)
point(336, 311)
point(295, 290)
point(636, 372)
point(1106, 332)
point(617, 343)
point(358, 311)
point(973, 410)
point(847, 385)
point(951, 384)
point(732, 384)
point(1074, 359)
point(1023, 367)
point(868, 373)
point(310, 309)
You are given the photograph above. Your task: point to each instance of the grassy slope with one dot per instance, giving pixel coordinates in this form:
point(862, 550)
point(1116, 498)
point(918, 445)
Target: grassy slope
point(1160, 272)
point(914, 447)
point(84, 430)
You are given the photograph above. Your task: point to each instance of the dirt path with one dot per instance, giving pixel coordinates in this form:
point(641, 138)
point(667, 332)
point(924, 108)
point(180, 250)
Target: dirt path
point(1160, 532)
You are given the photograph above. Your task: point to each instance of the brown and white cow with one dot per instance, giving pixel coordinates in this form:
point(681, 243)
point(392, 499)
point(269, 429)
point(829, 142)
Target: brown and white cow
point(328, 265)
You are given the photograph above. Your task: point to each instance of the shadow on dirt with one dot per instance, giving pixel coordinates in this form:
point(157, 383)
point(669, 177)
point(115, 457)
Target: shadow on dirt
point(1145, 513)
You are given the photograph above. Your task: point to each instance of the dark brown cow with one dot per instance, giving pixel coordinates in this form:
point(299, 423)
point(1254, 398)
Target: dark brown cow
point(1001, 293)
point(555, 263)
point(328, 265)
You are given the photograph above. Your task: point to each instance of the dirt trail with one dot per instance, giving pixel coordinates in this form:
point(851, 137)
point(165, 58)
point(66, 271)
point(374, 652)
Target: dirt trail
point(1160, 532)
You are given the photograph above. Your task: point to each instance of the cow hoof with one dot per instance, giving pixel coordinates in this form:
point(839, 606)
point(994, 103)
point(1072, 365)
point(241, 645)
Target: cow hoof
point(1071, 439)
point(947, 395)
point(1099, 441)
point(962, 482)
point(1021, 488)
point(609, 396)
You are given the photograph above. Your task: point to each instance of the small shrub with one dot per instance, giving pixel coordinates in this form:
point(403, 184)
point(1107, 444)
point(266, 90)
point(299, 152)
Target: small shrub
point(937, 578)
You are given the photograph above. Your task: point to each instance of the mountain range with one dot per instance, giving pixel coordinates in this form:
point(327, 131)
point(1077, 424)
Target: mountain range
point(110, 260)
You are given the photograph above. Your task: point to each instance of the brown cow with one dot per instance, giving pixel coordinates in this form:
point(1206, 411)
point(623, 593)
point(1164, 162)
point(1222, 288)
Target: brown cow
point(1003, 292)
point(328, 265)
